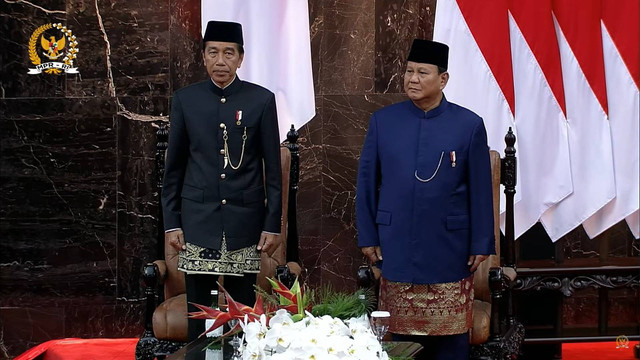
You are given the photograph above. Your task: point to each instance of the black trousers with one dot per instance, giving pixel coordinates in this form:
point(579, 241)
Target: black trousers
point(446, 347)
point(199, 288)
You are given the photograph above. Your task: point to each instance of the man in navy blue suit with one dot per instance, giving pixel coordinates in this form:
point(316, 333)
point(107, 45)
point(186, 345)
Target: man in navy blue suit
point(223, 162)
point(424, 205)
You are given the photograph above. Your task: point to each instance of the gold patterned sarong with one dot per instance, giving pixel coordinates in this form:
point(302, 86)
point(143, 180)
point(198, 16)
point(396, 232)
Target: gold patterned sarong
point(428, 309)
point(200, 260)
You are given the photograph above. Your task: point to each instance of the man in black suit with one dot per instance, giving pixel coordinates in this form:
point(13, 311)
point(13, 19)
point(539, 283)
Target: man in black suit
point(222, 162)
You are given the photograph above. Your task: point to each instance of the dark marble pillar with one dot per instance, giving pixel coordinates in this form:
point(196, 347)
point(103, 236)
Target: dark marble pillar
point(397, 24)
point(347, 47)
point(345, 122)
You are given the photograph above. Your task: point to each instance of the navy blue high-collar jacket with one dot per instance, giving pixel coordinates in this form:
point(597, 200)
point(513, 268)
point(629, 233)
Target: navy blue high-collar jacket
point(424, 192)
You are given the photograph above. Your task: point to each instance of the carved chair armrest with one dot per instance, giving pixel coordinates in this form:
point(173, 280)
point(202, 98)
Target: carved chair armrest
point(161, 271)
point(150, 275)
point(288, 273)
point(295, 268)
point(498, 287)
point(510, 273)
point(368, 276)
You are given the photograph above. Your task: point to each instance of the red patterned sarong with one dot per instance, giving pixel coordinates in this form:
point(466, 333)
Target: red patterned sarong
point(428, 309)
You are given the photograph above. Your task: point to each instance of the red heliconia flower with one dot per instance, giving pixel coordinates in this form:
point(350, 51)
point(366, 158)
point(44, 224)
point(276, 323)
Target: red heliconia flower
point(235, 310)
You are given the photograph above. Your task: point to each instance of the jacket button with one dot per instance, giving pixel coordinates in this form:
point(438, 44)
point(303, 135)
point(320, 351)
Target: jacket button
point(221, 151)
point(223, 176)
point(222, 126)
point(224, 202)
point(223, 100)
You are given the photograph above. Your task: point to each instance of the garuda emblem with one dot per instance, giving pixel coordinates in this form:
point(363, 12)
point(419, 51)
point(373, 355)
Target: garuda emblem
point(53, 48)
point(56, 44)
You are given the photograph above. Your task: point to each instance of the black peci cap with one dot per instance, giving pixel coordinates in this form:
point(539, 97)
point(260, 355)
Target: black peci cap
point(223, 31)
point(429, 52)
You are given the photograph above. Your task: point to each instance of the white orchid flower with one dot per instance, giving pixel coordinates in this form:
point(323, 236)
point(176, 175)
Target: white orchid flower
point(253, 351)
point(362, 320)
point(357, 329)
point(313, 338)
point(357, 352)
point(283, 317)
point(279, 337)
point(338, 328)
point(339, 346)
point(312, 353)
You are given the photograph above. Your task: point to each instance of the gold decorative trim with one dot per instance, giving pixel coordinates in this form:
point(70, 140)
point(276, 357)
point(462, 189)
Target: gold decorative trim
point(33, 54)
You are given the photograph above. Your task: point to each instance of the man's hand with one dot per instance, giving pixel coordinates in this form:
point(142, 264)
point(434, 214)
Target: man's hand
point(372, 253)
point(267, 242)
point(475, 260)
point(175, 239)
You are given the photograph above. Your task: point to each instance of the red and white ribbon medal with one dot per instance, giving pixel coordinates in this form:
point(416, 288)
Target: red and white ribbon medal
point(238, 117)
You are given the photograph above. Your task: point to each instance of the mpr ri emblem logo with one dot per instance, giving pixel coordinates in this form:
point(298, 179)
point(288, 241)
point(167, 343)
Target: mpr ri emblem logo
point(57, 46)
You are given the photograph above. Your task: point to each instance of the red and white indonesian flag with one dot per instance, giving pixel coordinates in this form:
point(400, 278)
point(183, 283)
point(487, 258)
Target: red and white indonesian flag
point(277, 52)
point(564, 74)
point(481, 78)
point(545, 167)
point(580, 40)
point(620, 41)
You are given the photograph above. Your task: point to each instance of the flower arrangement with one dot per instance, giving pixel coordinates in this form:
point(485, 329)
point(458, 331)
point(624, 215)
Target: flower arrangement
point(285, 325)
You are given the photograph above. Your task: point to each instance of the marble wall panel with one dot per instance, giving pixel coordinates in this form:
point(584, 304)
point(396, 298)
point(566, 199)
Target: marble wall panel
point(316, 31)
point(310, 257)
point(123, 48)
point(136, 33)
point(58, 199)
point(309, 200)
point(86, 321)
point(581, 309)
point(18, 22)
point(615, 242)
point(345, 123)
point(619, 240)
point(577, 245)
point(85, 19)
point(138, 202)
point(624, 307)
point(185, 42)
point(396, 25)
point(347, 47)
point(108, 321)
point(16, 337)
point(311, 164)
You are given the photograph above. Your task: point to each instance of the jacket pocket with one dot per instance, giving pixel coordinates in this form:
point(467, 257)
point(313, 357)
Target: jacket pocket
point(192, 193)
point(253, 195)
point(457, 222)
point(383, 217)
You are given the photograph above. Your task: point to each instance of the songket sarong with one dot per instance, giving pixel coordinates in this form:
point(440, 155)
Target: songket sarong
point(200, 260)
point(428, 309)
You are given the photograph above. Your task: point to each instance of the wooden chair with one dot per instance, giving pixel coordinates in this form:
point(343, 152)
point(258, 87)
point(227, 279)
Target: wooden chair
point(166, 323)
point(495, 333)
